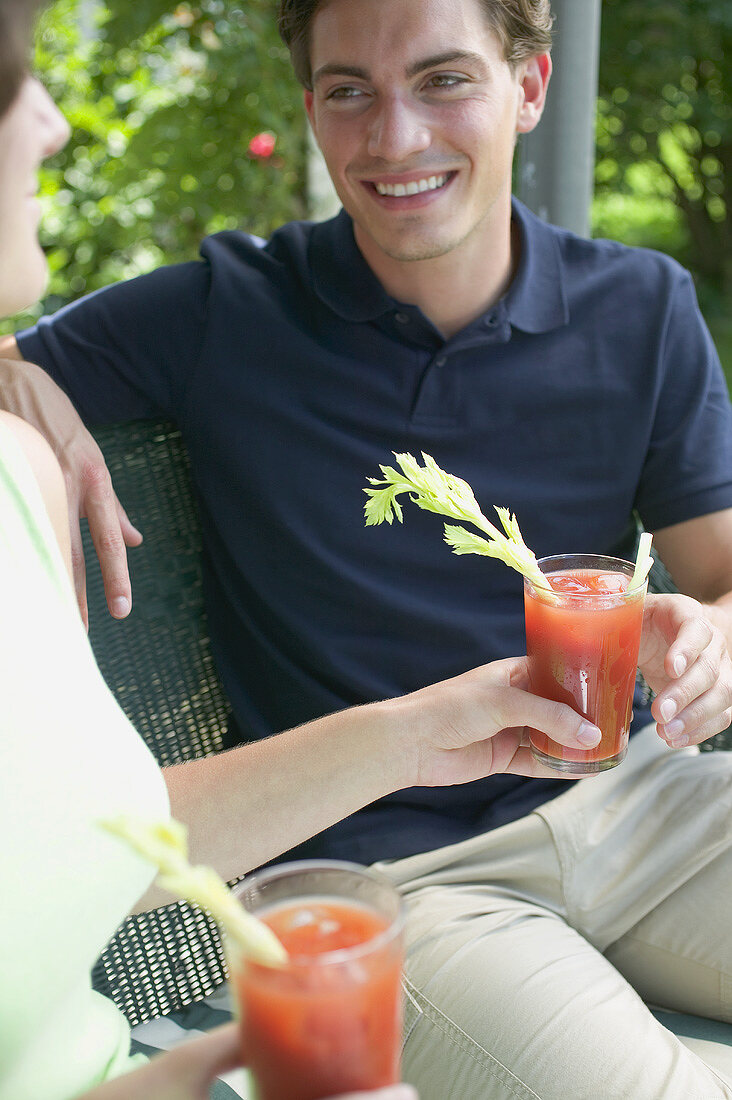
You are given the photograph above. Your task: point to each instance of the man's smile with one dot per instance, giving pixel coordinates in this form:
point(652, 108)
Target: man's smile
point(412, 191)
point(412, 187)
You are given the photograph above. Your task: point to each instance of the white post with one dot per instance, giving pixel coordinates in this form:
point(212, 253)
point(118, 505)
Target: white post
point(556, 162)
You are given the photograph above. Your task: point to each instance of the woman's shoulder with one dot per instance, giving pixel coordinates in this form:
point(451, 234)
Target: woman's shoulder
point(47, 473)
point(37, 451)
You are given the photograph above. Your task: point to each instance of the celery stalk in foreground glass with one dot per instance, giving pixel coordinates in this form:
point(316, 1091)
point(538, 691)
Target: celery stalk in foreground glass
point(329, 1020)
point(582, 641)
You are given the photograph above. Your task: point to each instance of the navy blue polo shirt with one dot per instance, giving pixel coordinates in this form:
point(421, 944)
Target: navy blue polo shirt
point(589, 392)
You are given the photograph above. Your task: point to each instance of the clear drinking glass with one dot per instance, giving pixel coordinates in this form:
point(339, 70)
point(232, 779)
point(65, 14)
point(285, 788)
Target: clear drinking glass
point(582, 641)
point(328, 1021)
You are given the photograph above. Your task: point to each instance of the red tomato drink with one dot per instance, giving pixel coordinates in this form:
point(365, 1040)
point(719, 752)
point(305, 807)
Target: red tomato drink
point(582, 641)
point(328, 1022)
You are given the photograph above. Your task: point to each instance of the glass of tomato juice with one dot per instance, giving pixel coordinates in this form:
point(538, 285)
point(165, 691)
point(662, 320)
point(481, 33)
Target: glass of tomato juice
point(329, 1020)
point(582, 640)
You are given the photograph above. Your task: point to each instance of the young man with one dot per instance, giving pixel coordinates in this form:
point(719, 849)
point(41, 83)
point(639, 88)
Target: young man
point(569, 380)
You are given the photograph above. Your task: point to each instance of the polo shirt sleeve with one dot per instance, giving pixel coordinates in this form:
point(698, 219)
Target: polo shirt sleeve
point(126, 351)
point(688, 468)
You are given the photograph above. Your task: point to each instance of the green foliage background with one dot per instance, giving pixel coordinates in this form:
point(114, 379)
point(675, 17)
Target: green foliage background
point(163, 101)
point(664, 140)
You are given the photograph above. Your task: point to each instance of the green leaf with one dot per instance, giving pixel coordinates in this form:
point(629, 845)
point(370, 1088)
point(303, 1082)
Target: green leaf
point(433, 490)
point(165, 845)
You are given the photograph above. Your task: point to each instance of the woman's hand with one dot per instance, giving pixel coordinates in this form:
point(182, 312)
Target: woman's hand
point(188, 1071)
point(477, 724)
point(184, 1073)
point(392, 1092)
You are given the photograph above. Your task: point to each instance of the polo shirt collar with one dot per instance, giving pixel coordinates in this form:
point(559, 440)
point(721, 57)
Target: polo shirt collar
point(535, 302)
point(341, 277)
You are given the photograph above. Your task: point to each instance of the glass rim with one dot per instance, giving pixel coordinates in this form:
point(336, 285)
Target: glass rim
point(339, 955)
point(602, 561)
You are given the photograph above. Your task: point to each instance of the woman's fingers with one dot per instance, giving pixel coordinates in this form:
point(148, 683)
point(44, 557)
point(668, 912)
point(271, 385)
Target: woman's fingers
point(512, 707)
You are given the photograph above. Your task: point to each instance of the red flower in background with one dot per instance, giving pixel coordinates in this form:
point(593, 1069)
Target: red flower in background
point(262, 145)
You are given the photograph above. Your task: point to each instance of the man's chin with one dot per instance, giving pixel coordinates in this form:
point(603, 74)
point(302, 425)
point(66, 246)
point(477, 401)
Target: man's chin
point(431, 252)
point(415, 249)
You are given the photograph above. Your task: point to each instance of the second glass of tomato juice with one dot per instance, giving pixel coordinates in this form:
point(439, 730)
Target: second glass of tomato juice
point(582, 638)
point(328, 1021)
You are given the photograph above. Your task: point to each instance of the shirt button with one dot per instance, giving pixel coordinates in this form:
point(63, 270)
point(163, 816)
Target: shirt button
point(401, 318)
point(440, 360)
point(491, 322)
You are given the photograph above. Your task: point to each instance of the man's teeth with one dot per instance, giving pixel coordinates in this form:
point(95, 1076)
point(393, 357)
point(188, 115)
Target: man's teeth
point(431, 183)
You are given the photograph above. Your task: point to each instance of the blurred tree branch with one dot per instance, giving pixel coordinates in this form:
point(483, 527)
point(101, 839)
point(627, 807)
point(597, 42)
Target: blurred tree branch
point(164, 100)
point(665, 122)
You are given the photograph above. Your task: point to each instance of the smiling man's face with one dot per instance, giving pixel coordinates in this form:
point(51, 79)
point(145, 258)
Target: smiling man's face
point(416, 113)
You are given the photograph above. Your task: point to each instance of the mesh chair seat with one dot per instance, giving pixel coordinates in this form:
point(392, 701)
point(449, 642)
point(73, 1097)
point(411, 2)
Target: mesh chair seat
point(158, 663)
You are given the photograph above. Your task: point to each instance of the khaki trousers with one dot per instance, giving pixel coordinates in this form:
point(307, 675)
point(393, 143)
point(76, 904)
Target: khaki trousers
point(532, 949)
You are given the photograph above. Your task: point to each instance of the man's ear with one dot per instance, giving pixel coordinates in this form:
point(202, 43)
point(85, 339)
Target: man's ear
point(307, 98)
point(534, 81)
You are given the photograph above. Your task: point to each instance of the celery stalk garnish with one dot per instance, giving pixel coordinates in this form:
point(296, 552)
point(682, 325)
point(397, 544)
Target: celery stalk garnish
point(432, 489)
point(165, 845)
point(643, 561)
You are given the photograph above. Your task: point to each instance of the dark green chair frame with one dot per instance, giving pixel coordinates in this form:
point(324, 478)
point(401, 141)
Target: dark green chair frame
point(158, 663)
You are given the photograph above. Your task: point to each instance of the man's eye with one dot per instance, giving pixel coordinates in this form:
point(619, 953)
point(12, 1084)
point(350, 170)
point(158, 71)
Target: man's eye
point(446, 80)
point(346, 91)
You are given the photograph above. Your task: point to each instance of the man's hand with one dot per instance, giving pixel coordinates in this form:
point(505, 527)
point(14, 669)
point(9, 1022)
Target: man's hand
point(684, 659)
point(27, 391)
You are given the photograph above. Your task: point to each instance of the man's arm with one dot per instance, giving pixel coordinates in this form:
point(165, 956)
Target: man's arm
point(121, 353)
point(9, 348)
point(698, 555)
point(686, 644)
point(28, 392)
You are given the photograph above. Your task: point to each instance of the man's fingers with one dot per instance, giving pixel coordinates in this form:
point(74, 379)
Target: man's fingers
point(694, 637)
point(100, 506)
point(707, 715)
point(721, 721)
point(700, 676)
point(31, 394)
point(130, 533)
point(79, 566)
point(694, 705)
point(674, 634)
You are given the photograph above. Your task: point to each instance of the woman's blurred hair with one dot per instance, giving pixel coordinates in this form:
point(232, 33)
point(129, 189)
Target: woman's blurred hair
point(16, 19)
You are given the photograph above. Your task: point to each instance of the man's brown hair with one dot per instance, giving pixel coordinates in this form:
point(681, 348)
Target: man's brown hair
point(523, 26)
point(16, 18)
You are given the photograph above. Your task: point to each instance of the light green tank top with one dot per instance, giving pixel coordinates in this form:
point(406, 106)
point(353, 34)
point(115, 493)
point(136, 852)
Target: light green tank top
point(68, 757)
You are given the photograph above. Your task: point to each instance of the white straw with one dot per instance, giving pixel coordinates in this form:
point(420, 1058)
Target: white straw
point(643, 561)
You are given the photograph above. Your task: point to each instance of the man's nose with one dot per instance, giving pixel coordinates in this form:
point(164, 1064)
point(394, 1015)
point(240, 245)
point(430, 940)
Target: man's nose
point(397, 131)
